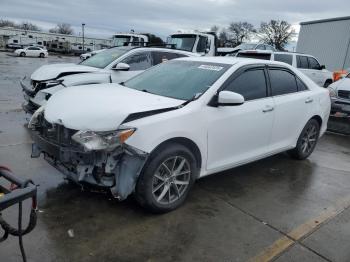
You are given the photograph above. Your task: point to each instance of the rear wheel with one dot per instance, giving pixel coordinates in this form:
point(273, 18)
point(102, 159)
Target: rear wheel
point(307, 140)
point(22, 54)
point(166, 179)
point(42, 55)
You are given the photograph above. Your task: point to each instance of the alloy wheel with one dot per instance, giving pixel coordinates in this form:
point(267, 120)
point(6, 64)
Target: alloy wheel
point(309, 139)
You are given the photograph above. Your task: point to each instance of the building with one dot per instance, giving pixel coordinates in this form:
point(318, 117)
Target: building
point(328, 40)
point(9, 35)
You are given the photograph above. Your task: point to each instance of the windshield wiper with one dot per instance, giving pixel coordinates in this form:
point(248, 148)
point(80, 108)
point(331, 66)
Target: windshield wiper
point(193, 98)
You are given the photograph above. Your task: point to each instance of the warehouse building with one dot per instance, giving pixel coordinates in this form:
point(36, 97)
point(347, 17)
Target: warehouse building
point(328, 40)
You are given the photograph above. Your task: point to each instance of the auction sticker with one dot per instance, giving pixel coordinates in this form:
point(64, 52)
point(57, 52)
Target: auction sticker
point(211, 67)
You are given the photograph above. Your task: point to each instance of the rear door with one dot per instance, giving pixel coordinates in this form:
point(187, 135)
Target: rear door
point(293, 104)
point(138, 62)
point(316, 71)
point(237, 134)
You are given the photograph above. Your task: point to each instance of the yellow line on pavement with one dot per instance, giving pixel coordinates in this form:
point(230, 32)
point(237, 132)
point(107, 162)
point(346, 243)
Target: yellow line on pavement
point(282, 244)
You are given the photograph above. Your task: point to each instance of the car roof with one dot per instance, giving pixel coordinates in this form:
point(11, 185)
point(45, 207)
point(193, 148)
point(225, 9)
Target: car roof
point(164, 49)
point(233, 60)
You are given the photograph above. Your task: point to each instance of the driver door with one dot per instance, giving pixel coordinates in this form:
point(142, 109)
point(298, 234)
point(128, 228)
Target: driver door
point(239, 134)
point(138, 63)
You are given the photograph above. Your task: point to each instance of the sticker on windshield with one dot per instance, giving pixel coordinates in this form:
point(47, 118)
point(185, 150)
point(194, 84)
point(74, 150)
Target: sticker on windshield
point(211, 67)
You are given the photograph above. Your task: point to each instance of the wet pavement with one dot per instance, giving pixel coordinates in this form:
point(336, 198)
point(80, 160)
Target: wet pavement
point(277, 207)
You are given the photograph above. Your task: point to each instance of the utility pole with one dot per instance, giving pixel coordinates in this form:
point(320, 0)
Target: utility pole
point(83, 25)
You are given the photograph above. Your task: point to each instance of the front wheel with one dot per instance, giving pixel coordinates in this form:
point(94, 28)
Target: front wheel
point(166, 179)
point(307, 140)
point(42, 55)
point(22, 54)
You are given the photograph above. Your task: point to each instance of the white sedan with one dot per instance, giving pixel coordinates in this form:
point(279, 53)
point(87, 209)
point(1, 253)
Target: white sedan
point(179, 121)
point(32, 51)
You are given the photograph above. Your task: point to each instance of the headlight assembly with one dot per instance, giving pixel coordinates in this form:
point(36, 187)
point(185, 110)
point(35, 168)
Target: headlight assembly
point(91, 140)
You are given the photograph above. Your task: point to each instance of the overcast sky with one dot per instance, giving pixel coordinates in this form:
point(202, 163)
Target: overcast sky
point(163, 17)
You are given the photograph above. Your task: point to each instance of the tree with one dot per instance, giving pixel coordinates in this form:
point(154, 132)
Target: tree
point(62, 28)
point(276, 33)
point(28, 26)
point(241, 31)
point(214, 29)
point(6, 23)
point(223, 37)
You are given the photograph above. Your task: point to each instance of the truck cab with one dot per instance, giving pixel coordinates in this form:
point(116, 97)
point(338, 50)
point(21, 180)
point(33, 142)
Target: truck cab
point(130, 39)
point(196, 42)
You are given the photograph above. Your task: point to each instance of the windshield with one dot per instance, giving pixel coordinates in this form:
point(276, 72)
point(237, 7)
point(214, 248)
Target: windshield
point(103, 59)
point(178, 79)
point(120, 40)
point(246, 46)
point(183, 42)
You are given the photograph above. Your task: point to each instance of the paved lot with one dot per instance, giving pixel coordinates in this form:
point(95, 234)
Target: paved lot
point(275, 208)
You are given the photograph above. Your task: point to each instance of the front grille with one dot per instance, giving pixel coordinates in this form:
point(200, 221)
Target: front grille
point(344, 94)
point(57, 134)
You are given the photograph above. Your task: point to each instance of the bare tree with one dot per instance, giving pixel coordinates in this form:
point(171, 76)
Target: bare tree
point(241, 31)
point(5, 23)
point(28, 26)
point(276, 33)
point(223, 37)
point(62, 28)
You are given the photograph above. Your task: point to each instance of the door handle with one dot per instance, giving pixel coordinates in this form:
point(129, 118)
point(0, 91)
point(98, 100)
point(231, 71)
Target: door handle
point(268, 109)
point(309, 100)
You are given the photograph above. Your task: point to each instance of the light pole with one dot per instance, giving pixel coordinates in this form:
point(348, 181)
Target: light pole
point(83, 25)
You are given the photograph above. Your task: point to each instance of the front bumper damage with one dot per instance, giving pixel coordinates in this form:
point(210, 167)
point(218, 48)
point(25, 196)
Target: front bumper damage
point(116, 170)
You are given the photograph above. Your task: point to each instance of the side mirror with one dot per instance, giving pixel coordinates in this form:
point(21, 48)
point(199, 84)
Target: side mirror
point(322, 67)
point(121, 67)
point(228, 98)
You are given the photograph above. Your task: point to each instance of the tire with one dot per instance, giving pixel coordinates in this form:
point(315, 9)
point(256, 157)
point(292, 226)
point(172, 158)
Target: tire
point(327, 83)
point(157, 188)
point(22, 54)
point(42, 55)
point(307, 140)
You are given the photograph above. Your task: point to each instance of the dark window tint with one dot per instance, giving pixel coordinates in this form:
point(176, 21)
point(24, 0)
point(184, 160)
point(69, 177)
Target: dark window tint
point(15, 41)
point(250, 84)
point(264, 56)
point(202, 44)
point(301, 85)
point(284, 58)
point(302, 62)
point(260, 47)
point(313, 64)
point(160, 57)
point(282, 82)
point(140, 61)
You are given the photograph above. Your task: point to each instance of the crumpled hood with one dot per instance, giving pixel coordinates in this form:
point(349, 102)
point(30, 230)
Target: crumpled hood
point(48, 72)
point(101, 107)
point(342, 84)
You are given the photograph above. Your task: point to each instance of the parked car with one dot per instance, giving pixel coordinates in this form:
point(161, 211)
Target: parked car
point(113, 65)
point(244, 46)
point(340, 95)
point(32, 51)
point(305, 63)
point(90, 54)
point(179, 121)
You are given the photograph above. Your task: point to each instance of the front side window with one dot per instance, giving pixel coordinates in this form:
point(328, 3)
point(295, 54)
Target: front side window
point(282, 82)
point(160, 57)
point(302, 62)
point(250, 84)
point(178, 79)
point(284, 58)
point(138, 61)
point(313, 64)
point(103, 59)
point(202, 44)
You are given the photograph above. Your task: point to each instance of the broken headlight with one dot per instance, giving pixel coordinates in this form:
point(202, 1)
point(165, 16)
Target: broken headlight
point(91, 140)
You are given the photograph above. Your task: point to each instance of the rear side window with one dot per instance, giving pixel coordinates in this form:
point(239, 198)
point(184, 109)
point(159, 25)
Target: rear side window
point(284, 58)
point(139, 61)
point(264, 56)
point(250, 84)
point(313, 64)
point(282, 82)
point(160, 57)
point(302, 62)
point(301, 85)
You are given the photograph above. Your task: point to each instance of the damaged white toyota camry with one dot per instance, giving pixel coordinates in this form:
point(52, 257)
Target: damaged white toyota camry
point(163, 129)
